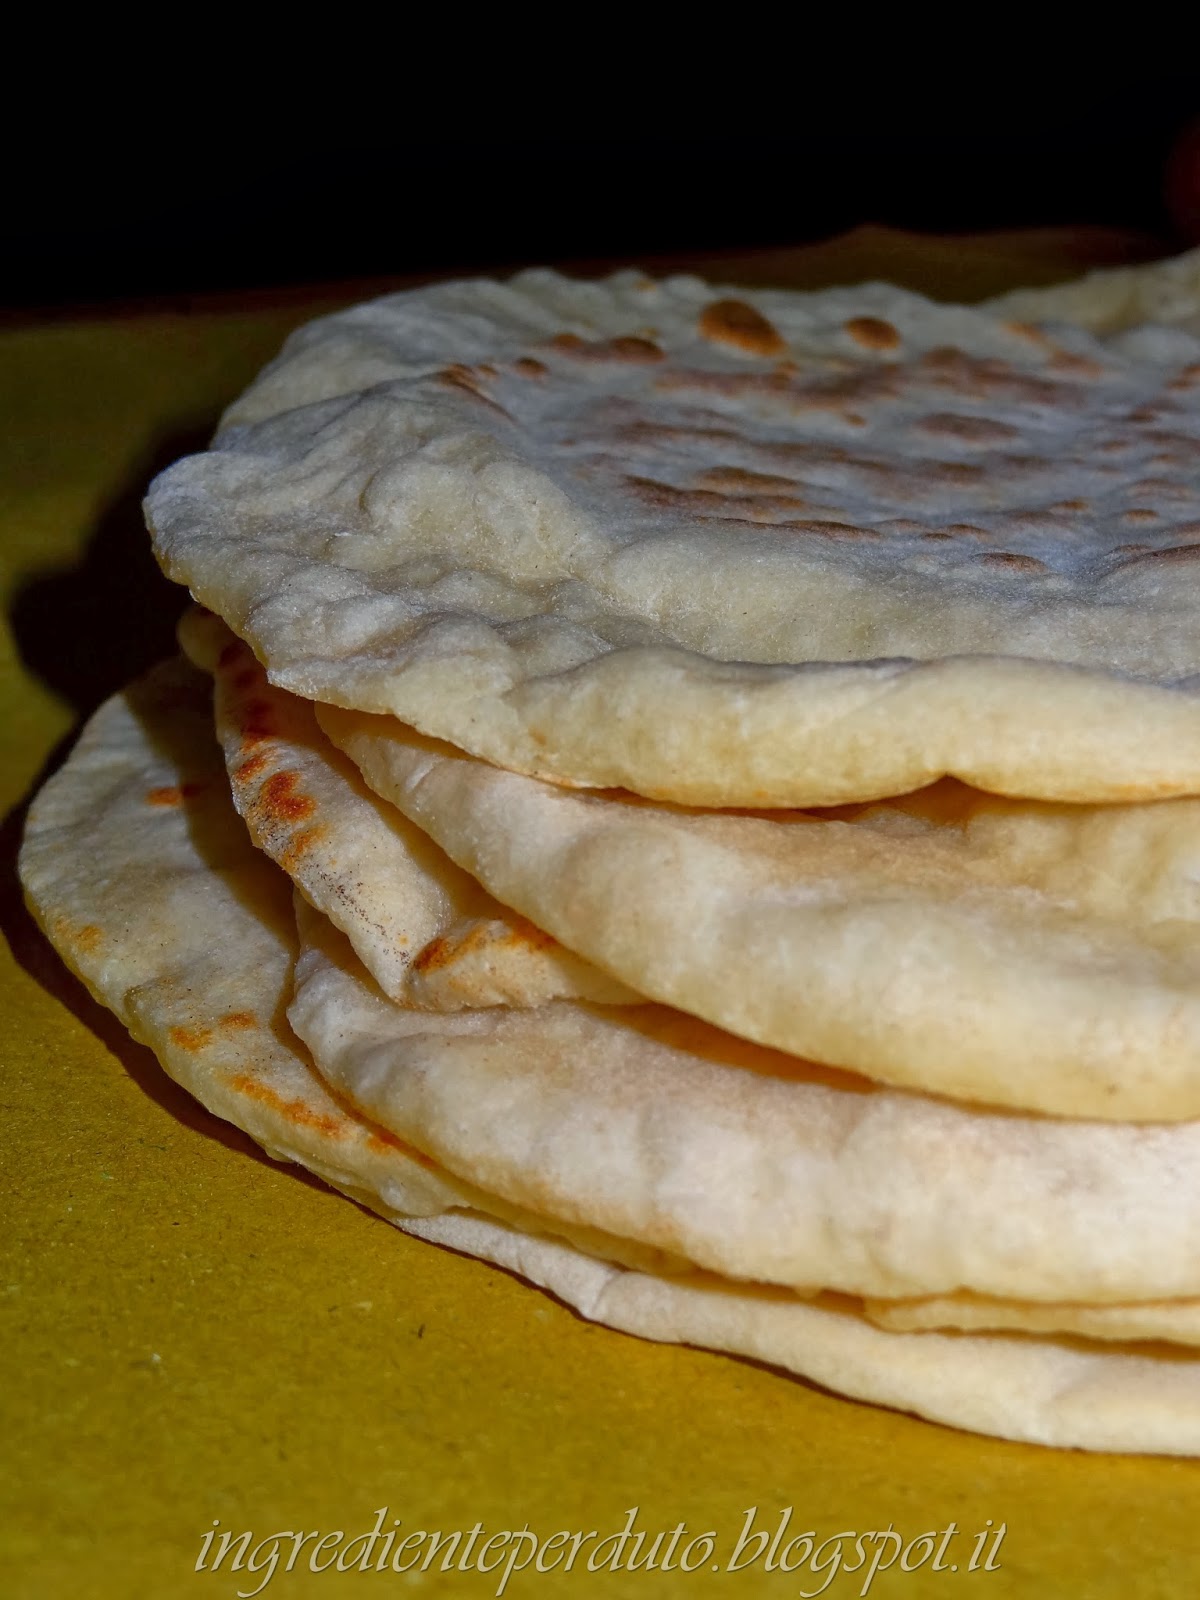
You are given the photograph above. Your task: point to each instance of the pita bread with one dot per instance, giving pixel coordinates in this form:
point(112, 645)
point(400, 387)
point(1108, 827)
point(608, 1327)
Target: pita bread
point(1045, 1391)
point(138, 869)
point(1018, 953)
point(136, 866)
point(1176, 1321)
point(766, 550)
point(654, 1126)
point(430, 936)
point(1164, 293)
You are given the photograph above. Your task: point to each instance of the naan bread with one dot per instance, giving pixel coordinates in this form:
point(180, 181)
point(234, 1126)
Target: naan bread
point(766, 550)
point(1018, 953)
point(136, 866)
point(425, 930)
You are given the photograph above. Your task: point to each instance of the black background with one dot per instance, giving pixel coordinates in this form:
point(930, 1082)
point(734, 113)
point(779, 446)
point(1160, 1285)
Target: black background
point(197, 202)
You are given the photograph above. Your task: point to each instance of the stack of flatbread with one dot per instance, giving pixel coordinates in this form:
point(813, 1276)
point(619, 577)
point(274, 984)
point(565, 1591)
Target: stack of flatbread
point(691, 796)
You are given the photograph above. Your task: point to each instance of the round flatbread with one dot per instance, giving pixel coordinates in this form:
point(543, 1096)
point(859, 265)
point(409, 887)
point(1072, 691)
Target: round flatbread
point(1018, 953)
point(425, 930)
point(137, 867)
point(654, 1126)
point(1046, 1391)
point(765, 550)
point(1176, 1321)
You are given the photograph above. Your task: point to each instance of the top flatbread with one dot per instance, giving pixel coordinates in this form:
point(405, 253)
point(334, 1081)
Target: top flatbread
point(771, 549)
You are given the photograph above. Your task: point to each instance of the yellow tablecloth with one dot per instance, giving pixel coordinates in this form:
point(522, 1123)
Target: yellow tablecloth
point(196, 1337)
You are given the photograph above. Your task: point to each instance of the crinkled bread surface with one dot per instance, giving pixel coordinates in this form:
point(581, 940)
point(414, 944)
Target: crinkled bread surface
point(1029, 954)
point(1021, 953)
point(427, 931)
point(577, 924)
point(760, 549)
point(136, 865)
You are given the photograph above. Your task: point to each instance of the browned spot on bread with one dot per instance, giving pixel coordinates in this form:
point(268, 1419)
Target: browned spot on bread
point(468, 380)
point(739, 326)
point(1168, 556)
point(967, 430)
point(89, 936)
point(1069, 505)
point(279, 798)
point(250, 768)
point(255, 730)
point(381, 1141)
point(827, 529)
point(1012, 561)
point(955, 471)
point(1140, 514)
point(527, 934)
point(667, 494)
point(712, 505)
point(436, 954)
point(978, 378)
point(864, 386)
point(255, 723)
point(173, 794)
point(190, 1038)
point(634, 347)
point(1188, 378)
point(639, 430)
point(1164, 488)
point(479, 936)
point(1028, 330)
point(297, 845)
point(966, 530)
point(238, 1020)
point(528, 367)
point(296, 1111)
point(631, 347)
point(741, 480)
point(1071, 364)
point(873, 333)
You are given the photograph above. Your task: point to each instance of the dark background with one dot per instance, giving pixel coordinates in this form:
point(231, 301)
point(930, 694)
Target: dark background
point(192, 203)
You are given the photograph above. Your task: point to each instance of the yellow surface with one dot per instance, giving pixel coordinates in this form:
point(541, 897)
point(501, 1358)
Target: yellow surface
point(193, 1333)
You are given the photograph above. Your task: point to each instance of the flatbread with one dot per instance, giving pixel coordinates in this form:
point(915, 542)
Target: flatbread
point(1113, 299)
point(1177, 1321)
point(770, 549)
point(657, 1127)
point(137, 868)
point(1045, 1391)
point(1018, 953)
point(426, 931)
